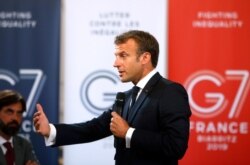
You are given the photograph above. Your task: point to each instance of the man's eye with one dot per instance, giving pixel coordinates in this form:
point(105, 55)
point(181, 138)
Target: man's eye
point(20, 113)
point(9, 112)
point(124, 55)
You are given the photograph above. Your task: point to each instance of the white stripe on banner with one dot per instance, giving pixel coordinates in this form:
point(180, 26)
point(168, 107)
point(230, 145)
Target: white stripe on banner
point(90, 81)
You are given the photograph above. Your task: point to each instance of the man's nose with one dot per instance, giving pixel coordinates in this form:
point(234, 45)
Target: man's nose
point(116, 64)
point(16, 116)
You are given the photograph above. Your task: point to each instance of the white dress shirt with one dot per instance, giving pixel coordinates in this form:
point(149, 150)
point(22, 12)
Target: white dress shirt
point(2, 141)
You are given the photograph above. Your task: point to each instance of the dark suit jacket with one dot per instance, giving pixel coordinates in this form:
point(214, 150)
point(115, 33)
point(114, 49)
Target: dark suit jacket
point(160, 117)
point(23, 152)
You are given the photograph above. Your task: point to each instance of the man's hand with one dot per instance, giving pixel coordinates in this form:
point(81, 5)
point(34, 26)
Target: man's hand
point(41, 122)
point(118, 125)
point(30, 162)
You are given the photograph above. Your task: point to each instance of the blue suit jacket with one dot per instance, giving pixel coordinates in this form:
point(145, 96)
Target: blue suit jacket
point(160, 117)
point(23, 152)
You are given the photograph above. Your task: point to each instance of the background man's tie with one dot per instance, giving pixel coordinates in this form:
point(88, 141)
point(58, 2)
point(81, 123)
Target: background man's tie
point(9, 155)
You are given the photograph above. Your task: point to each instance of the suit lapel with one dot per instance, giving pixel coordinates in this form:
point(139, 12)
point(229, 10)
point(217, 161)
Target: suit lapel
point(18, 151)
point(135, 108)
point(145, 91)
point(2, 158)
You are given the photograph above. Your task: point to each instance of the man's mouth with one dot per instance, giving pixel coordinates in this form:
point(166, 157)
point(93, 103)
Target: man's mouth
point(13, 125)
point(121, 73)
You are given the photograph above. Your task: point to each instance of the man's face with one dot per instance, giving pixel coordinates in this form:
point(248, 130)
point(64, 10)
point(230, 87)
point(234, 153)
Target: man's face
point(128, 62)
point(10, 119)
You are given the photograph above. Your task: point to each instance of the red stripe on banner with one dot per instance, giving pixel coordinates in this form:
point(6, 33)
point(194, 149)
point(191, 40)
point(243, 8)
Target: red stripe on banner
point(209, 53)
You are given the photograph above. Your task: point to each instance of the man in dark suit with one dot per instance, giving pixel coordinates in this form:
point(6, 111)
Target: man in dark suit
point(12, 106)
point(154, 131)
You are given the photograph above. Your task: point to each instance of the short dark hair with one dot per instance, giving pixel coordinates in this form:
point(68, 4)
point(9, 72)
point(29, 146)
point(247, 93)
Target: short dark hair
point(8, 97)
point(146, 43)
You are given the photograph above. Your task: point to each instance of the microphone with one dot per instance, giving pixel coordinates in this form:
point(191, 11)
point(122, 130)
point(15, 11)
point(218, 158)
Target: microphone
point(117, 107)
point(119, 102)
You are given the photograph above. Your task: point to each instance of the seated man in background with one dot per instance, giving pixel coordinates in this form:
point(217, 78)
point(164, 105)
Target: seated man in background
point(15, 150)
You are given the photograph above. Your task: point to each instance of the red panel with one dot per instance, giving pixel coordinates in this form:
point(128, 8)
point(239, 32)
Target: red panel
point(209, 53)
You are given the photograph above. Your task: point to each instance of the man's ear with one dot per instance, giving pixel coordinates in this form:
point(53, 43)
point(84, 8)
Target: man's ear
point(146, 58)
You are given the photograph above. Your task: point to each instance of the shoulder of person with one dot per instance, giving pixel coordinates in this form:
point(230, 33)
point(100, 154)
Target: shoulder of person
point(21, 140)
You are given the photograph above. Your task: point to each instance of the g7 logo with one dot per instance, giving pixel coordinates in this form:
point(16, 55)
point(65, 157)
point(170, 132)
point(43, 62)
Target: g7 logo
point(26, 74)
point(216, 101)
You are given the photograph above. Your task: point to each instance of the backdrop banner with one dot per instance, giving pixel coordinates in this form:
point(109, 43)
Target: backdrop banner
point(209, 53)
point(29, 62)
point(91, 82)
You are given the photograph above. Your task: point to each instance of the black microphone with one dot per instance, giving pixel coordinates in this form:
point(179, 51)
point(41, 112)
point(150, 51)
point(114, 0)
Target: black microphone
point(117, 107)
point(119, 102)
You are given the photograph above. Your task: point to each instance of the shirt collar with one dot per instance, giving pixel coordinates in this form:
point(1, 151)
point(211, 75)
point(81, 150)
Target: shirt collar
point(2, 140)
point(142, 83)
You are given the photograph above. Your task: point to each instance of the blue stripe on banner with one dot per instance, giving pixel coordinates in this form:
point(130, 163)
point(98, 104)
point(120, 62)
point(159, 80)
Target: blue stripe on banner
point(29, 61)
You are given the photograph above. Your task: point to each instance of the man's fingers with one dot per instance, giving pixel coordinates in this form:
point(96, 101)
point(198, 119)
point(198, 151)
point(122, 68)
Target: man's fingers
point(36, 117)
point(38, 113)
point(39, 107)
point(31, 163)
point(115, 115)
